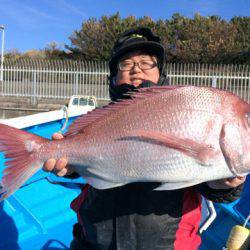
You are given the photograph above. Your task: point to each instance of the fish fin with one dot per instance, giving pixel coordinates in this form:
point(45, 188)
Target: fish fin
point(176, 185)
point(231, 147)
point(20, 148)
point(201, 152)
point(82, 123)
point(101, 184)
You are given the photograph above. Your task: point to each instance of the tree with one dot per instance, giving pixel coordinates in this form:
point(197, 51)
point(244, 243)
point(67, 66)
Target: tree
point(242, 41)
point(13, 54)
point(200, 39)
point(53, 51)
point(96, 37)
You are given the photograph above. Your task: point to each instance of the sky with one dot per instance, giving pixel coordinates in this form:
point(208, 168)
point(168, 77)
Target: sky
point(33, 24)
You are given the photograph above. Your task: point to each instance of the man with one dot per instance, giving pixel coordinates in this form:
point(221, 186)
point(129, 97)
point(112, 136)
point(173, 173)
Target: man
point(134, 216)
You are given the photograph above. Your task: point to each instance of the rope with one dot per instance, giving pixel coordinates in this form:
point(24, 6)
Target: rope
point(65, 109)
point(246, 221)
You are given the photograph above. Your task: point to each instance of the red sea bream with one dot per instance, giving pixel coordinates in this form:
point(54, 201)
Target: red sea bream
point(178, 136)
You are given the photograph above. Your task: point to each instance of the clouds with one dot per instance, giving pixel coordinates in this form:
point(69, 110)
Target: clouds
point(24, 16)
point(29, 15)
point(224, 8)
point(72, 8)
point(31, 24)
point(36, 13)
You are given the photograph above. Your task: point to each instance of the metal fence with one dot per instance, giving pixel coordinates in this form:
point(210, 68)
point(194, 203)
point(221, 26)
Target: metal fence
point(234, 78)
point(54, 79)
point(63, 78)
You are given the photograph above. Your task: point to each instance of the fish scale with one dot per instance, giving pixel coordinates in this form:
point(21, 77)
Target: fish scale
point(175, 135)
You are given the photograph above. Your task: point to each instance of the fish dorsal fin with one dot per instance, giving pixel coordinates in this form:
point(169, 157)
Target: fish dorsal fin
point(92, 117)
point(83, 122)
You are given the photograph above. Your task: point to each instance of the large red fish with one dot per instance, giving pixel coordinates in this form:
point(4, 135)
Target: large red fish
point(178, 136)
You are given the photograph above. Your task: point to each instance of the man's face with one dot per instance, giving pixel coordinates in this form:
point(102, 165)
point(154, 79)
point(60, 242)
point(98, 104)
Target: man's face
point(136, 75)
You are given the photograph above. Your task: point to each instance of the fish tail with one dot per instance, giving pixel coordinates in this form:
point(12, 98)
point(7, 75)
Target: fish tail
point(20, 149)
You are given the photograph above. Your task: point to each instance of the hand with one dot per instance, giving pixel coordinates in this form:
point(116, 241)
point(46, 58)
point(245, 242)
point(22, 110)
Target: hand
point(227, 183)
point(59, 167)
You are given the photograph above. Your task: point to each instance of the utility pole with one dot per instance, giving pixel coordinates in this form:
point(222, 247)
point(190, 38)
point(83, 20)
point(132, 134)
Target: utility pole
point(2, 52)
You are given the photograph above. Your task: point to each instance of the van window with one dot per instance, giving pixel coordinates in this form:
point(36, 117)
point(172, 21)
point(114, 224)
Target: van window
point(83, 102)
point(91, 102)
point(75, 101)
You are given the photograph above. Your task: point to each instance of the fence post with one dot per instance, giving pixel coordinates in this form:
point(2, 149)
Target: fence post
point(2, 87)
point(214, 82)
point(34, 90)
point(75, 90)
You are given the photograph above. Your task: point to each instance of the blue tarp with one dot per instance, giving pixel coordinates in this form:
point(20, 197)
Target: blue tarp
point(38, 215)
point(228, 215)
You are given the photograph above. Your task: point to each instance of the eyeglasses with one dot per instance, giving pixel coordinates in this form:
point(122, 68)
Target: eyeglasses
point(143, 65)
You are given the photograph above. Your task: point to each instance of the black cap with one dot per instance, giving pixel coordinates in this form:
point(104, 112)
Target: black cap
point(139, 39)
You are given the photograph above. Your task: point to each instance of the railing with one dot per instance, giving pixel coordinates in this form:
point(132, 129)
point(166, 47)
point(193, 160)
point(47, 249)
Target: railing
point(55, 79)
point(234, 78)
point(64, 78)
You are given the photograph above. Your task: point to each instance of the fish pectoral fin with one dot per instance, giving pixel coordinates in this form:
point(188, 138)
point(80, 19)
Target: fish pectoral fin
point(102, 184)
point(176, 185)
point(201, 152)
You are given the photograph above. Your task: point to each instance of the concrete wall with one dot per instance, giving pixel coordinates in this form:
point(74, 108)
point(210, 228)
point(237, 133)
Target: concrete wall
point(16, 106)
point(19, 106)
